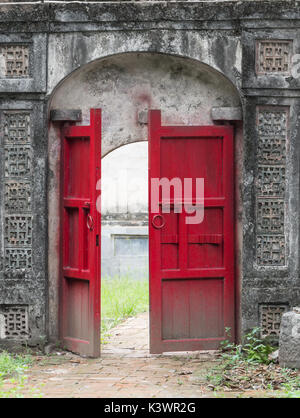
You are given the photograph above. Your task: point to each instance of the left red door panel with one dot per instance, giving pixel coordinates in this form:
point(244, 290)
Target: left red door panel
point(80, 246)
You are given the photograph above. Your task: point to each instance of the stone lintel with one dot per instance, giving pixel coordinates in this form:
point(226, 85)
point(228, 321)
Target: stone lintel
point(226, 113)
point(65, 115)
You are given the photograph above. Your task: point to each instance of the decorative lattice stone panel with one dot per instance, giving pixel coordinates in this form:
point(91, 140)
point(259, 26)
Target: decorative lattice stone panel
point(14, 322)
point(272, 125)
point(17, 192)
point(18, 161)
point(18, 230)
point(270, 250)
point(270, 181)
point(273, 57)
point(17, 196)
point(271, 150)
point(270, 216)
point(16, 128)
point(270, 186)
point(270, 319)
point(14, 60)
point(17, 259)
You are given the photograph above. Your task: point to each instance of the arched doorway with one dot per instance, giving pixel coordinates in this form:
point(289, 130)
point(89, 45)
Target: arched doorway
point(125, 87)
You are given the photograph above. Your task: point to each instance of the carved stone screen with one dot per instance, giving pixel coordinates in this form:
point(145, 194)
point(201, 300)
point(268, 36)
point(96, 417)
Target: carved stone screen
point(14, 61)
point(17, 192)
point(14, 322)
point(273, 57)
point(271, 186)
point(270, 318)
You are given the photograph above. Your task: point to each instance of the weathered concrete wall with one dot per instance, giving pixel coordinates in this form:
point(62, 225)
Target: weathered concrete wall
point(23, 221)
point(227, 39)
point(183, 89)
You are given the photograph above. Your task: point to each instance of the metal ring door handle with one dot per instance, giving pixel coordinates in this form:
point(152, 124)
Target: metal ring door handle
point(90, 222)
point(158, 226)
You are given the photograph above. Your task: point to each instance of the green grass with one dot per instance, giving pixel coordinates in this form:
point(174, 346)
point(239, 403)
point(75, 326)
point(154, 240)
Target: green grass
point(122, 298)
point(13, 365)
point(12, 369)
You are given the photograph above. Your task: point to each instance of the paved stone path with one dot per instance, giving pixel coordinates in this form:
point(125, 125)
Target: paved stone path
point(125, 369)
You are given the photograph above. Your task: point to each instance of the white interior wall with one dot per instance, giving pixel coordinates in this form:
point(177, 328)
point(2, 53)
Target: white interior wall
point(124, 192)
point(124, 180)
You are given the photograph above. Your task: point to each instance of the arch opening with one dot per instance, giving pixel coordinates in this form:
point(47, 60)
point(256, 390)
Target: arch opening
point(125, 87)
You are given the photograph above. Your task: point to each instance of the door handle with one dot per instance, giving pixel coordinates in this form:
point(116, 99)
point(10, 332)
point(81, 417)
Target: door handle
point(90, 222)
point(162, 221)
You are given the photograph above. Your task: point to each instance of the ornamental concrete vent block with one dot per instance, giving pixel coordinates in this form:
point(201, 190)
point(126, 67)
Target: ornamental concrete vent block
point(270, 319)
point(273, 57)
point(14, 322)
point(14, 61)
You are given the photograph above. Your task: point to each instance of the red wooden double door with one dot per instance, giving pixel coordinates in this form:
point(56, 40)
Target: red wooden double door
point(191, 265)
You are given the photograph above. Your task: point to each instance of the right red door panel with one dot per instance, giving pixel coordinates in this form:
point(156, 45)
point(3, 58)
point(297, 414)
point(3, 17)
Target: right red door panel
point(191, 264)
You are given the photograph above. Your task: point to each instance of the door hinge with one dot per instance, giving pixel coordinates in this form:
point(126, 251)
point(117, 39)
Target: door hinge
point(97, 240)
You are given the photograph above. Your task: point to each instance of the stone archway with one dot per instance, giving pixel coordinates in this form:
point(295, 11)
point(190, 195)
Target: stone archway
point(125, 86)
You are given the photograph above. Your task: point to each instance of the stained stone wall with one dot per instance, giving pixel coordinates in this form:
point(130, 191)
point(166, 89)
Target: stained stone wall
point(252, 44)
point(271, 199)
point(23, 222)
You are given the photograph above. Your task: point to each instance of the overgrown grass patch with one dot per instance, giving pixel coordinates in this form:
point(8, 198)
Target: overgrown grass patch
point(250, 367)
point(13, 365)
point(122, 298)
point(12, 369)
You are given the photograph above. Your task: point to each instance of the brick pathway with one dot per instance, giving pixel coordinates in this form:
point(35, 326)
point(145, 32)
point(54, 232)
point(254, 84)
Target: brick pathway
point(125, 369)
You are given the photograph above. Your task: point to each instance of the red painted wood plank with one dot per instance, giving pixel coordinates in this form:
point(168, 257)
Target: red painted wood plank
point(80, 270)
point(77, 131)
